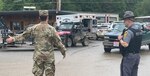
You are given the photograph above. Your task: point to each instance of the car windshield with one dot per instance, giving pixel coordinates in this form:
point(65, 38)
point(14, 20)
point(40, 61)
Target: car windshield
point(119, 27)
point(66, 26)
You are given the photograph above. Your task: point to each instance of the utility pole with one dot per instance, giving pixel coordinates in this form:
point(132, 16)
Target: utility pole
point(58, 6)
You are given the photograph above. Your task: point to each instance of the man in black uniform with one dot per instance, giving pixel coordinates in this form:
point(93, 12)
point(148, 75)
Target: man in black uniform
point(130, 43)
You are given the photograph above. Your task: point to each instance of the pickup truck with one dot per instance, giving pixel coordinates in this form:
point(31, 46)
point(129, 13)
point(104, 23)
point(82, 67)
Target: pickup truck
point(111, 38)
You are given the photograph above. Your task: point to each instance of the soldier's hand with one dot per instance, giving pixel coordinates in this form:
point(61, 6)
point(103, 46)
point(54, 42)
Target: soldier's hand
point(120, 37)
point(10, 39)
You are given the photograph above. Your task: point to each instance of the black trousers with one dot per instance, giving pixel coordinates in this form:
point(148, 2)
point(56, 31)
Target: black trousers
point(129, 65)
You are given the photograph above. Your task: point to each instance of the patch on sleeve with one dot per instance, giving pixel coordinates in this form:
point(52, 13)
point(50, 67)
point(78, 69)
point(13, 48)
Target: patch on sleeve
point(125, 34)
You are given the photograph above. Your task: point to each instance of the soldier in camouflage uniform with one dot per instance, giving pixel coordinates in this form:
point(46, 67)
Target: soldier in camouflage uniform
point(45, 38)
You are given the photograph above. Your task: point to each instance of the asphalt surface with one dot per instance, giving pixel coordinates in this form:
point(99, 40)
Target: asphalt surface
point(80, 61)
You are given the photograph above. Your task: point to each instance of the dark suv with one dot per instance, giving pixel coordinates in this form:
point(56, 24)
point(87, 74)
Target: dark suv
point(72, 33)
point(111, 38)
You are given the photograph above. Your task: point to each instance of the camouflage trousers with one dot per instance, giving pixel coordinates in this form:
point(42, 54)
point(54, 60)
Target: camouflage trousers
point(40, 67)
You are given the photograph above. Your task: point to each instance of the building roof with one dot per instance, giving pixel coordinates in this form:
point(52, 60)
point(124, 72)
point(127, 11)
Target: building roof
point(32, 13)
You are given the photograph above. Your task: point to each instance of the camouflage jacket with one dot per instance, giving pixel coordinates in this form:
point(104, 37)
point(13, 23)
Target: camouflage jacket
point(45, 39)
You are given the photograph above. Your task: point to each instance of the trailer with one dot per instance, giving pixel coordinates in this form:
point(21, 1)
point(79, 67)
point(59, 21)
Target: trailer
point(81, 17)
point(106, 17)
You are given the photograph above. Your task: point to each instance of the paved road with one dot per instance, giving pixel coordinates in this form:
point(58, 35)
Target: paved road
point(80, 61)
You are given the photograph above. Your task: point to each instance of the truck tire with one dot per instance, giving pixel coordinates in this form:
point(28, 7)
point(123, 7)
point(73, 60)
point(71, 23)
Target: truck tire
point(0, 46)
point(68, 42)
point(149, 46)
point(85, 41)
point(74, 44)
point(107, 50)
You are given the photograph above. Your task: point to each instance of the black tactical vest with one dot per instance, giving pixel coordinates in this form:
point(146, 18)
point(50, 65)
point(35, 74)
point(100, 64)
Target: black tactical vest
point(134, 44)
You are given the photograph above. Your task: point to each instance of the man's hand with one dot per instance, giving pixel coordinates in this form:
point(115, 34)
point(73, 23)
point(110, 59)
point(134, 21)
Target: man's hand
point(10, 39)
point(124, 44)
point(120, 37)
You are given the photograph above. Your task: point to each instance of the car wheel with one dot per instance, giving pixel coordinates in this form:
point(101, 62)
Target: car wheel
point(108, 50)
point(85, 41)
point(68, 42)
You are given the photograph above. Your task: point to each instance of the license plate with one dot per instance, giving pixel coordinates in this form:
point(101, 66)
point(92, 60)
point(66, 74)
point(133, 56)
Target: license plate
point(116, 44)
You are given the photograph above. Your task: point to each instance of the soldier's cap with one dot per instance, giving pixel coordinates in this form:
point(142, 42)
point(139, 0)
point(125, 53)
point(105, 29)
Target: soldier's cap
point(128, 15)
point(43, 12)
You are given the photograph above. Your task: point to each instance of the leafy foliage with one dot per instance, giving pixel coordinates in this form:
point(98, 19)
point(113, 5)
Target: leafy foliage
point(140, 7)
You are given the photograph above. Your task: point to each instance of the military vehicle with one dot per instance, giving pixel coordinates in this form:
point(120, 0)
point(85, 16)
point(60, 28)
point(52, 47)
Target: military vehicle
point(72, 33)
point(111, 38)
point(89, 21)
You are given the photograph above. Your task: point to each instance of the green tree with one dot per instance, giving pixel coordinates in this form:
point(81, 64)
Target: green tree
point(69, 5)
point(143, 8)
point(1, 5)
point(12, 5)
point(18, 4)
point(140, 7)
point(111, 6)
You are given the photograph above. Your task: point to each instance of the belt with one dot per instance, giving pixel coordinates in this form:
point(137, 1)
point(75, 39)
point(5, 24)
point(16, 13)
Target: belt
point(130, 54)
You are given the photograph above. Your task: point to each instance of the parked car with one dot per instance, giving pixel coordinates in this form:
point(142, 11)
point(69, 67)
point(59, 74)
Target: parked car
point(113, 24)
point(102, 29)
point(72, 33)
point(111, 38)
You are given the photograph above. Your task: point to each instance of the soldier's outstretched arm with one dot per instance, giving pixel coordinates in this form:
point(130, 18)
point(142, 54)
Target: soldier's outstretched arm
point(58, 42)
point(23, 35)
